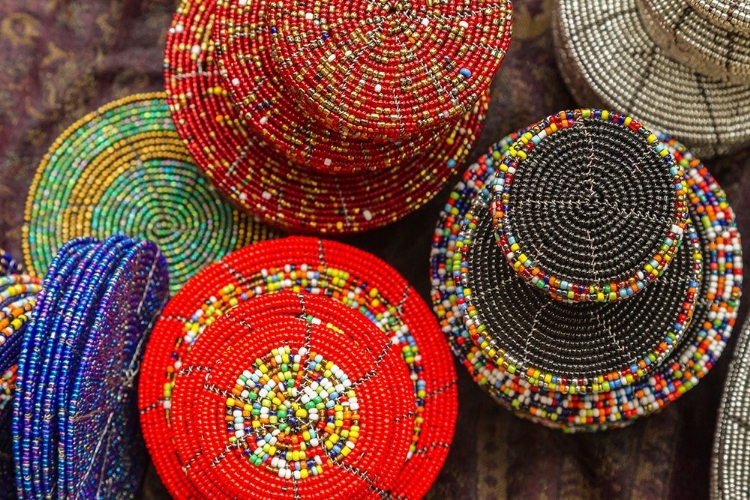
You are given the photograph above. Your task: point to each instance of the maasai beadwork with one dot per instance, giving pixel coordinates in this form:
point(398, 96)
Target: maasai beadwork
point(702, 342)
point(589, 206)
point(123, 169)
point(73, 414)
point(292, 393)
point(731, 463)
point(607, 59)
point(279, 191)
point(273, 111)
point(686, 35)
point(305, 265)
point(376, 71)
point(8, 265)
point(17, 299)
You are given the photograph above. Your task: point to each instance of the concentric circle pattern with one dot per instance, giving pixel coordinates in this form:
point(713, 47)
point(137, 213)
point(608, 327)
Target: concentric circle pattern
point(589, 206)
point(74, 432)
point(277, 190)
point(17, 299)
point(349, 276)
point(390, 69)
point(610, 405)
point(634, 75)
point(123, 169)
point(276, 113)
point(320, 414)
point(687, 36)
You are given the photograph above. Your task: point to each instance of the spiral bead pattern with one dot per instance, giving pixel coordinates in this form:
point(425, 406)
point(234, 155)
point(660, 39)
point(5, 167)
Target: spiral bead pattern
point(123, 169)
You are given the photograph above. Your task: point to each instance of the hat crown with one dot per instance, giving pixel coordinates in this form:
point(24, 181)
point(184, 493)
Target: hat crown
point(589, 207)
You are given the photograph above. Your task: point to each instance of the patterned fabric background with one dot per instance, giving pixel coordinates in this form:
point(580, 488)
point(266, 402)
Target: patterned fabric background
point(64, 58)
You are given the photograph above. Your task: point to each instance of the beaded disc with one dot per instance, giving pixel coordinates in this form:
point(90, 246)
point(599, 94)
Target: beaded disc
point(276, 113)
point(304, 265)
point(732, 14)
point(607, 59)
point(279, 191)
point(292, 393)
point(731, 461)
point(391, 69)
point(123, 169)
point(589, 206)
point(687, 36)
point(702, 342)
point(71, 437)
point(17, 299)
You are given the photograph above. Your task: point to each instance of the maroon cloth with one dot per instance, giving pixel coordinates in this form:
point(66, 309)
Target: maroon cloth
point(64, 58)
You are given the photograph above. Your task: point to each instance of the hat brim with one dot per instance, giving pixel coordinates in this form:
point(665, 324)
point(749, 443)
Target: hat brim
point(608, 60)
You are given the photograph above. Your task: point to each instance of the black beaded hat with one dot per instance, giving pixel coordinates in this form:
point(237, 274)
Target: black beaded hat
point(679, 67)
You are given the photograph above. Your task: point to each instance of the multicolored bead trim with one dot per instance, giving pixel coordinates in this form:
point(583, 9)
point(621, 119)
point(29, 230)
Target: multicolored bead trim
point(305, 265)
point(124, 169)
point(390, 69)
point(279, 191)
point(549, 171)
point(17, 299)
point(702, 344)
point(320, 415)
point(276, 113)
point(71, 437)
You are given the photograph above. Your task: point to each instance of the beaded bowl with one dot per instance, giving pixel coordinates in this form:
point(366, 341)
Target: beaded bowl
point(75, 429)
point(391, 69)
point(17, 299)
point(314, 267)
point(604, 402)
point(280, 191)
point(124, 170)
point(608, 59)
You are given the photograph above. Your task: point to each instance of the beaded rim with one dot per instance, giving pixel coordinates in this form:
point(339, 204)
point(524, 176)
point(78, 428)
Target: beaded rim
point(632, 74)
point(278, 191)
point(126, 170)
point(515, 249)
point(390, 69)
point(730, 14)
point(351, 385)
point(267, 107)
point(703, 342)
point(68, 355)
point(352, 277)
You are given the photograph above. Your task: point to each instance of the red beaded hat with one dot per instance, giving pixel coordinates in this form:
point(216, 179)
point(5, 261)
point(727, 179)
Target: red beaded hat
point(302, 367)
point(280, 165)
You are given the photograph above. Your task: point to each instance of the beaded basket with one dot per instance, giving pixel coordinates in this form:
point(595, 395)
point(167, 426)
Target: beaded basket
point(123, 169)
point(17, 299)
point(344, 286)
point(607, 58)
point(731, 461)
point(273, 160)
point(559, 360)
point(75, 430)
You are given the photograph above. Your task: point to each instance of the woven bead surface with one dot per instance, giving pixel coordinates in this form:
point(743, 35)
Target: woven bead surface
point(730, 468)
point(589, 206)
point(276, 113)
point(123, 169)
point(390, 69)
point(277, 190)
point(354, 278)
point(732, 14)
point(687, 36)
point(75, 429)
point(17, 299)
point(611, 405)
point(607, 59)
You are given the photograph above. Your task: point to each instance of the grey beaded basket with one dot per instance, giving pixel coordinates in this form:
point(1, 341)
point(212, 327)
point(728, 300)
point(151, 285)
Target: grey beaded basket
point(730, 471)
point(609, 59)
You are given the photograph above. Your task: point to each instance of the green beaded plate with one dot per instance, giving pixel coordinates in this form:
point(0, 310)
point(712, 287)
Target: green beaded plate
point(124, 169)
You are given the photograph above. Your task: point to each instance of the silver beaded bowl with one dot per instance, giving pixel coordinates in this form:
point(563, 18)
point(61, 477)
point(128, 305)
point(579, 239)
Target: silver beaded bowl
point(608, 59)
